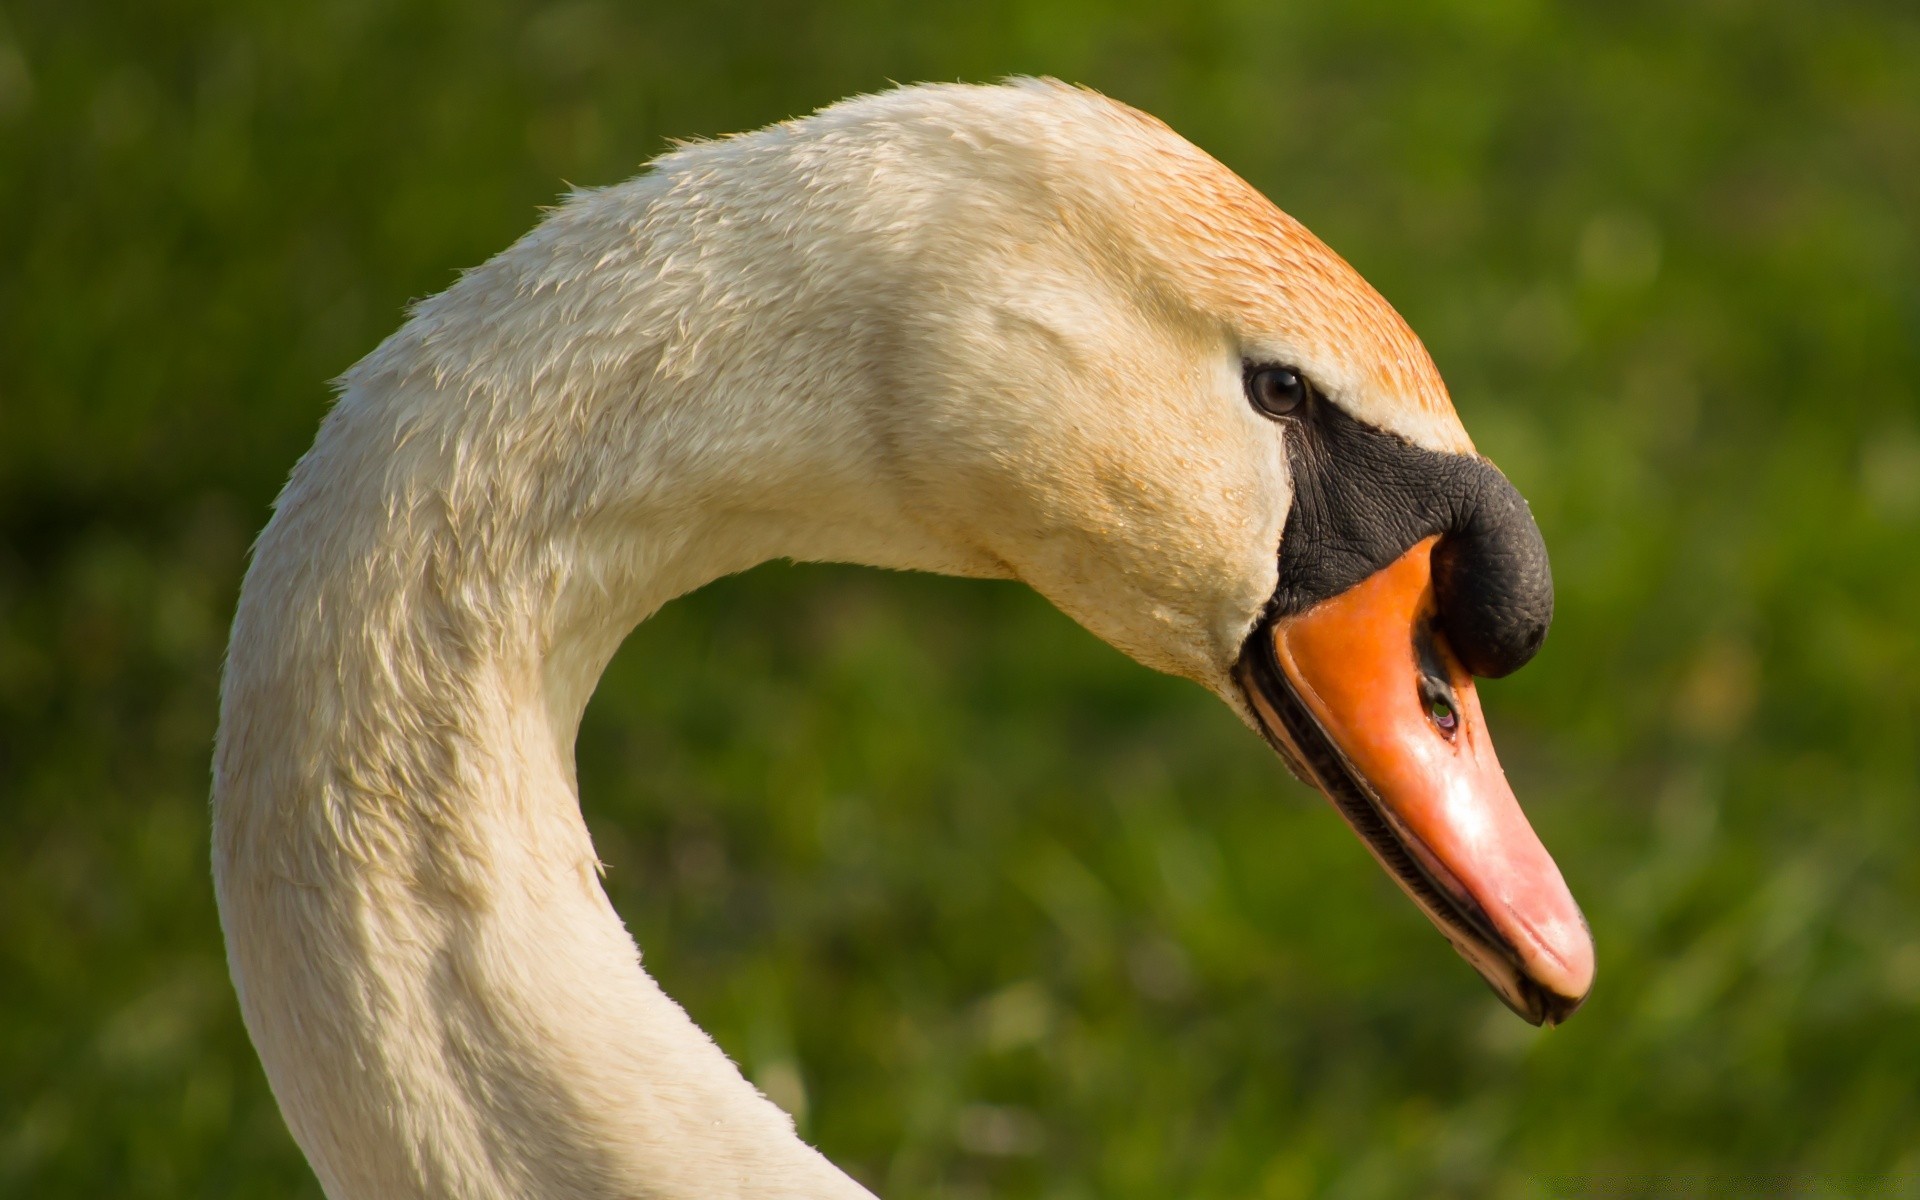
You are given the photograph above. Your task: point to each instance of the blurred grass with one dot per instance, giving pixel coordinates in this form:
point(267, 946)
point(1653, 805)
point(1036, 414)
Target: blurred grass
point(995, 911)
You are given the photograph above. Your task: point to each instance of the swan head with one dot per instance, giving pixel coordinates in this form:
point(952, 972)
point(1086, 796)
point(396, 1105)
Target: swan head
point(1130, 381)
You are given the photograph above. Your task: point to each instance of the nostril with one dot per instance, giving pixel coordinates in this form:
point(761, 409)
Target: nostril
point(1435, 692)
point(1443, 711)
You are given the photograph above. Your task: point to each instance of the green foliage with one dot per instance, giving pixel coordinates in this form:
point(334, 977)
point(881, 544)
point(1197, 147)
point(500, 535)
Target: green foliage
point(996, 911)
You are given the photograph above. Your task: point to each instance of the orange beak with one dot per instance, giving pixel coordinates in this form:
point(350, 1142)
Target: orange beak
point(1363, 697)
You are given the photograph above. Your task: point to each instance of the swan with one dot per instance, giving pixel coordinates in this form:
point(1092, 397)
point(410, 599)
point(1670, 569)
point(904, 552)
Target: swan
point(1007, 331)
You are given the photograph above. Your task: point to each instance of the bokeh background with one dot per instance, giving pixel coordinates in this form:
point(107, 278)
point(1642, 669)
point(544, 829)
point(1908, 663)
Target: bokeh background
point(991, 910)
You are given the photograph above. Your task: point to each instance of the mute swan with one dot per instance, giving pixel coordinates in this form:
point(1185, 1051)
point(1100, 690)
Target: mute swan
point(1017, 331)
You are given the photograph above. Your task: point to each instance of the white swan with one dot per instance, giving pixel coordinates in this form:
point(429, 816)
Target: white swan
point(1016, 331)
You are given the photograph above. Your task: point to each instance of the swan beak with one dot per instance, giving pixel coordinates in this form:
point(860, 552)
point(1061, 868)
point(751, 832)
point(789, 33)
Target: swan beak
point(1365, 701)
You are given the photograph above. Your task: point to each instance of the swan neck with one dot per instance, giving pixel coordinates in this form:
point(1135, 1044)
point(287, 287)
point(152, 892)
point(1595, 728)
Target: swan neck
point(444, 1000)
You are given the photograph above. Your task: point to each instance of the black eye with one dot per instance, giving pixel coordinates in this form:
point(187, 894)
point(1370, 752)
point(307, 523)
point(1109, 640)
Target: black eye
point(1277, 391)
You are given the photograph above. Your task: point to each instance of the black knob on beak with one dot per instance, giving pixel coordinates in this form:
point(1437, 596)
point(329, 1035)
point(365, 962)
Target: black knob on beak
point(1491, 579)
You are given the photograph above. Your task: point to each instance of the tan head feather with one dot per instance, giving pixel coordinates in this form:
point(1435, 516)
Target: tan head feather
point(1229, 251)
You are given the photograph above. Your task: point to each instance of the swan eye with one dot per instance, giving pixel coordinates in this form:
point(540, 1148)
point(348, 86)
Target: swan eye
point(1277, 391)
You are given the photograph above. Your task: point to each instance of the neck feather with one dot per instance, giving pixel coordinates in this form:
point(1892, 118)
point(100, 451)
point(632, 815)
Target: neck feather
point(445, 1002)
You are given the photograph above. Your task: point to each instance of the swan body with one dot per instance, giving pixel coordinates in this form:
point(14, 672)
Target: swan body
point(986, 331)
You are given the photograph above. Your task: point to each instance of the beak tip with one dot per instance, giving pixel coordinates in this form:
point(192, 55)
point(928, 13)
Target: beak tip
point(1555, 1008)
point(1539, 1006)
point(1566, 983)
point(1558, 983)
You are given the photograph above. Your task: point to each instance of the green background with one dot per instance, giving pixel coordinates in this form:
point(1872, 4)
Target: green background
point(995, 911)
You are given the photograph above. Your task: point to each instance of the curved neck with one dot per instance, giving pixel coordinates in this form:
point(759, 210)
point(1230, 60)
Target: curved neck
point(445, 1002)
point(444, 999)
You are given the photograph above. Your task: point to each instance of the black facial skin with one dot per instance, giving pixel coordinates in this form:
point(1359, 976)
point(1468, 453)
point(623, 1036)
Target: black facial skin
point(1362, 497)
